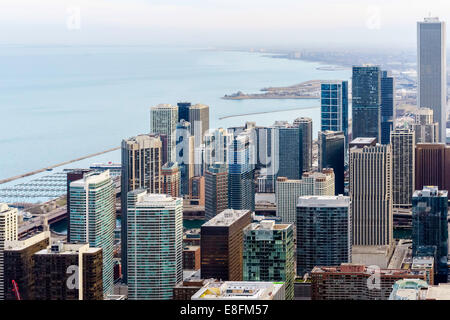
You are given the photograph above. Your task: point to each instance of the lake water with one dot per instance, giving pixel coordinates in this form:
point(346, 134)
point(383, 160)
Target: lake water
point(60, 103)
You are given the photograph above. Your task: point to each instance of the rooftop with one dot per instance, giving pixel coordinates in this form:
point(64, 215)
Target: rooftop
point(226, 218)
point(238, 290)
point(339, 201)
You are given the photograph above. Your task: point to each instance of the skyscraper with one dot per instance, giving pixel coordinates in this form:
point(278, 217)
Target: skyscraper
point(216, 146)
point(432, 70)
point(72, 176)
point(334, 107)
point(170, 179)
point(366, 102)
point(93, 218)
point(183, 111)
point(155, 245)
point(185, 154)
point(426, 130)
point(269, 254)
point(8, 231)
point(430, 227)
point(199, 119)
point(311, 184)
point(387, 106)
point(141, 169)
point(222, 245)
point(163, 120)
point(432, 166)
point(216, 189)
point(290, 159)
point(324, 238)
point(332, 155)
point(241, 186)
point(305, 126)
point(403, 166)
point(371, 195)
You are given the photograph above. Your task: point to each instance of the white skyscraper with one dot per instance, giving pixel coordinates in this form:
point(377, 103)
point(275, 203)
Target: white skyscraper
point(431, 70)
point(163, 120)
point(8, 232)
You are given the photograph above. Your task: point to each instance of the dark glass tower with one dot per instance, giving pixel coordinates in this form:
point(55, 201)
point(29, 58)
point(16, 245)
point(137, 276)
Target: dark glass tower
point(305, 127)
point(183, 111)
point(334, 107)
point(332, 155)
point(289, 151)
point(429, 227)
point(366, 102)
point(387, 106)
point(216, 189)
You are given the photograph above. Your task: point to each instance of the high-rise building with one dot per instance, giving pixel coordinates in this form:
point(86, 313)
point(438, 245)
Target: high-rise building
point(334, 107)
point(269, 254)
point(289, 159)
point(185, 155)
point(332, 155)
point(72, 176)
point(403, 166)
point(163, 120)
point(324, 238)
point(241, 290)
point(216, 146)
point(141, 169)
point(20, 264)
point(222, 245)
point(241, 162)
point(371, 195)
point(155, 245)
point(183, 111)
point(366, 102)
point(216, 189)
point(68, 272)
point(357, 282)
point(197, 191)
point(387, 106)
point(170, 179)
point(430, 227)
point(305, 126)
point(426, 130)
point(432, 70)
point(311, 184)
point(8, 231)
point(93, 218)
point(432, 166)
point(199, 119)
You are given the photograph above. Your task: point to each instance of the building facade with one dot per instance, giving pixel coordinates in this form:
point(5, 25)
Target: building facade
point(334, 107)
point(332, 155)
point(9, 225)
point(216, 189)
point(387, 106)
point(163, 120)
point(432, 166)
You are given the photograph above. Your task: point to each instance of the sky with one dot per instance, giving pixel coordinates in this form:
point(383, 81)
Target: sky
point(263, 23)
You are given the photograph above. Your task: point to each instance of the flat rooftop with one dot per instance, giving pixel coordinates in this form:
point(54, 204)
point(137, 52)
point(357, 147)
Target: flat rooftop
point(238, 290)
point(226, 218)
point(323, 201)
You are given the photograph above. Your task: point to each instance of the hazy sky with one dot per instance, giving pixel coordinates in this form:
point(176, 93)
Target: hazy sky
point(288, 23)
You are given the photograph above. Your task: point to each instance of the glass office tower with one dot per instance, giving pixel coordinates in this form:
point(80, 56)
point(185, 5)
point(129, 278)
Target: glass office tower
point(334, 107)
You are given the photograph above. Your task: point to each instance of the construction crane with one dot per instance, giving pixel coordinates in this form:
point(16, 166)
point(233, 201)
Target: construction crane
point(15, 289)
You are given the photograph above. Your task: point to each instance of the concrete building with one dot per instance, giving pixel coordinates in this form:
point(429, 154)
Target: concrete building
point(8, 231)
point(269, 254)
point(332, 154)
point(216, 146)
point(324, 238)
point(241, 290)
point(403, 167)
point(163, 120)
point(432, 166)
point(141, 169)
point(426, 130)
point(199, 119)
point(191, 258)
point(366, 102)
point(68, 272)
point(170, 179)
point(416, 289)
point(197, 191)
point(357, 282)
point(216, 189)
point(155, 245)
point(432, 70)
point(93, 218)
point(222, 245)
point(311, 184)
point(371, 195)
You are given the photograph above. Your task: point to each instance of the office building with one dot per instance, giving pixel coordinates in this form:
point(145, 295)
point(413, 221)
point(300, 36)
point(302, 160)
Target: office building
point(20, 265)
point(186, 289)
point(72, 176)
point(68, 272)
point(191, 258)
point(185, 155)
point(387, 106)
point(334, 107)
point(216, 189)
point(222, 245)
point(432, 70)
point(183, 111)
point(426, 130)
point(199, 119)
point(155, 245)
point(324, 232)
point(305, 126)
point(163, 120)
point(269, 254)
point(170, 179)
point(331, 154)
point(289, 160)
point(8, 231)
point(311, 184)
point(430, 227)
point(403, 166)
point(357, 282)
point(197, 191)
point(216, 146)
point(432, 166)
point(93, 218)
point(371, 195)
point(241, 290)
point(366, 102)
